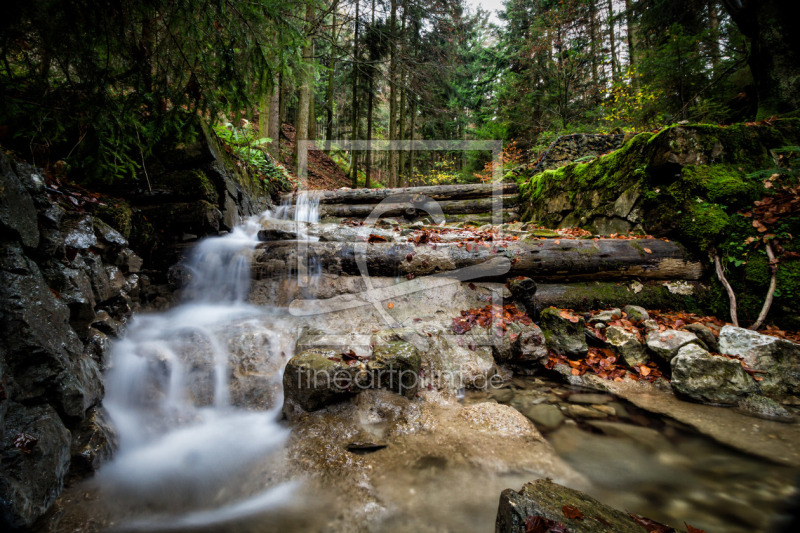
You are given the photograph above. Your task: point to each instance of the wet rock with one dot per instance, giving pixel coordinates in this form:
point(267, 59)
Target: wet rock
point(128, 261)
point(779, 358)
point(544, 416)
point(276, 234)
point(505, 396)
point(105, 323)
point(627, 345)
point(580, 411)
point(93, 443)
point(51, 243)
point(763, 407)
point(35, 454)
point(498, 419)
point(636, 314)
point(521, 344)
point(589, 398)
point(395, 366)
point(604, 317)
point(707, 378)
point(523, 291)
point(17, 211)
point(546, 499)
point(665, 344)
point(116, 281)
point(645, 437)
point(107, 237)
point(704, 334)
point(80, 387)
point(564, 336)
point(96, 345)
point(75, 289)
point(93, 266)
point(178, 276)
point(79, 233)
point(318, 377)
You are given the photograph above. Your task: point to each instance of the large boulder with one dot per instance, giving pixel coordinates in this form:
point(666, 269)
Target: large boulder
point(563, 332)
point(707, 378)
point(778, 358)
point(18, 218)
point(35, 458)
point(551, 502)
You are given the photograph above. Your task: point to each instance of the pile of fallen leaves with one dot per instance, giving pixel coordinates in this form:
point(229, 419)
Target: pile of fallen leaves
point(494, 315)
point(604, 363)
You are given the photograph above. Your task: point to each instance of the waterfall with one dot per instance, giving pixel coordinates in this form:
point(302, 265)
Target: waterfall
point(195, 406)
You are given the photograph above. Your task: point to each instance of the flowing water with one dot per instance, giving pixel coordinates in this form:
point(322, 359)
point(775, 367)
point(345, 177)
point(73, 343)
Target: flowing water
point(196, 392)
point(186, 443)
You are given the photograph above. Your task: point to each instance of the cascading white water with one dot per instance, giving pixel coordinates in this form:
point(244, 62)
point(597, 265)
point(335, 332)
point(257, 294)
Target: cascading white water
point(178, 384)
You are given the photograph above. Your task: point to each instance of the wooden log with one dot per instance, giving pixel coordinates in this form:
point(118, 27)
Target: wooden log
point(413, 209)
point(543, 259)
point(478, 219)
point(580, 296)
point(435, 192)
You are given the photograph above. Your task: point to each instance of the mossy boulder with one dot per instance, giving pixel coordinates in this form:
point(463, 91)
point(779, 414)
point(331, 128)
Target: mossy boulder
point(564, 332)
point(546, 499)
point(395, 366)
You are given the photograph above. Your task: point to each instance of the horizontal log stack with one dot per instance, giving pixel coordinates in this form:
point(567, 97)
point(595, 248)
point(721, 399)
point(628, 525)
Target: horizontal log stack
point(484, 201)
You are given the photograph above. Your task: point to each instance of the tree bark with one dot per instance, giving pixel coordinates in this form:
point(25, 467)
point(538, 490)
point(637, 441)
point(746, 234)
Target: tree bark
point(393, 93)
point(774, 55)
point(329, 92)
point(613, 39)
point(301, 128)
point(354, 116)
point(452, 207)
point(274, 126)
point(545, 259)
point(435, 192)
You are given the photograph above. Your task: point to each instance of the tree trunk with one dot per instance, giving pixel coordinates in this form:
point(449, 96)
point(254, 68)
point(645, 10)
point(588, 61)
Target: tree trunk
point(274, 123)
point(393, 93)
point(301, 128)
point(774, 55)
point(312, 112)
point(545, 259)
point(593, 42)
point(613, 39)
point(713, 34)
point(329, 92)
point(354, 116)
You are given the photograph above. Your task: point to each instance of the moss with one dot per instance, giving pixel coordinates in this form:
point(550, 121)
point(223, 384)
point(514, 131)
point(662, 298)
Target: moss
point(117, 214)
point(722, 184)
point(189, 184)
point(703, 225)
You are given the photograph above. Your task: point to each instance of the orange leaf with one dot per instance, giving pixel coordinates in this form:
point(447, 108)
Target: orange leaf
point(643, 370)
point(691, 529)
point(557, 241)
point(647, 250)
point(572, 512)
point(575, 372)
point(390, 305)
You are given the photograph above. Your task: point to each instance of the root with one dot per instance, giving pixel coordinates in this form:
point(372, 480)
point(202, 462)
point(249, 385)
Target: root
point(773, 282)
point(728, 288)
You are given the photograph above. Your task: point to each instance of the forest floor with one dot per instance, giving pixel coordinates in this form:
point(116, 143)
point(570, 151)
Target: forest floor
point(323, 172)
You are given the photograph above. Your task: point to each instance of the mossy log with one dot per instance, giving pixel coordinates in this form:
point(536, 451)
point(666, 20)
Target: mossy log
point(416, 208)
point(435, 192)
point(543, 259)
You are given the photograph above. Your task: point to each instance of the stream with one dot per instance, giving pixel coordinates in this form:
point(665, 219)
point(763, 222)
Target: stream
point(196, 396)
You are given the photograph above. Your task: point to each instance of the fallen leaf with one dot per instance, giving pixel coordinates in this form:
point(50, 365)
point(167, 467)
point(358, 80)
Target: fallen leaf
point(651, 526)
point(691, 529)
point(572, 513)
point(390, 305)
point(647, 250)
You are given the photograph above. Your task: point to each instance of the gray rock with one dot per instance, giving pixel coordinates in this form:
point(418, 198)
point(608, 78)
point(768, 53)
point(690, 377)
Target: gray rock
point(51, 243)
point(116, 281)
point(589, 398)
point(276, 234)
point(128, 261)
point(36, 454)
point(636, 314)
point(105, 323)
point(93, 443)
point(764, 407)
point(665, 344)
point(580, 411)
point(704, 334)
point(317, 377)
point(627, 345)
point(79, 233)
point(546, 499)
point(522, 344)
point(107, 236)
point(708, 378)
point(604, 317)
point(779, 358)
point(562, 334)
point(17, 211)
point(645, 437)
point(80, 387)
point(523, 291)
point(544, 416)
